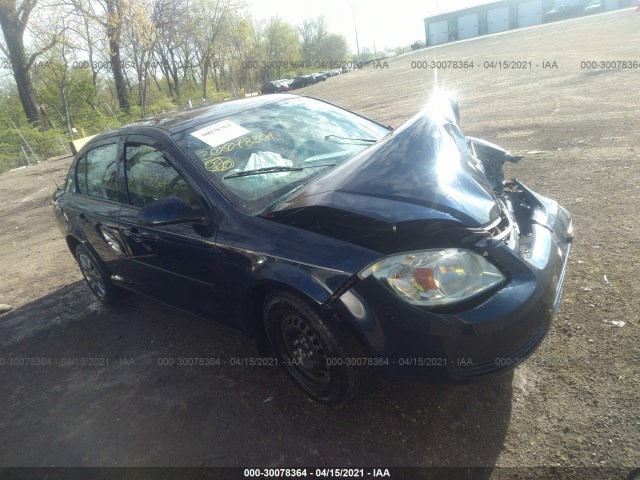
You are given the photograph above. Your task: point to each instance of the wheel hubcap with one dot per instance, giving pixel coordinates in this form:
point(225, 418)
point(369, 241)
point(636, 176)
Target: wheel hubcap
point(305, 353)
point(92, 275)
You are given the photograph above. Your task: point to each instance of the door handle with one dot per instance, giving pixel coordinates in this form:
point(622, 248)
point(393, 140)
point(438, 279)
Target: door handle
point(83, 219)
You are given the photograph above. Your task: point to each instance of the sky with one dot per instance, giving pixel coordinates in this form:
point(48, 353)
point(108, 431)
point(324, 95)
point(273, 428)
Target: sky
point(387, 24)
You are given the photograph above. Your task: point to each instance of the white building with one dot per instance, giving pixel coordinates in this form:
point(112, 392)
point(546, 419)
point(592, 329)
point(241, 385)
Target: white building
point(500, 16)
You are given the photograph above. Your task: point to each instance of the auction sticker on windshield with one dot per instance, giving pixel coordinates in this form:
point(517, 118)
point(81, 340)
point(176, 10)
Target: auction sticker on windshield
point(220, 132)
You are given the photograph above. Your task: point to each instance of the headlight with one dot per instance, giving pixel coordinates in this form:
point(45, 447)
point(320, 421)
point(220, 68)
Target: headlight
point(436, 277)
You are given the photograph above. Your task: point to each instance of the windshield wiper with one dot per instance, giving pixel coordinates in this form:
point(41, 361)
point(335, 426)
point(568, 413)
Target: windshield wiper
point(368, 140)
point(260, 171)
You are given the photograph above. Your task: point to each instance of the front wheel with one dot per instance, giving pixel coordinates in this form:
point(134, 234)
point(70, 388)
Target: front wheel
point(317, 354)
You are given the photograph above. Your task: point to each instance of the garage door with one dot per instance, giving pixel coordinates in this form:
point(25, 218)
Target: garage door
point(610, 5)
point(529, 13)
point(498, 20)
point(438, 32)
point(468, 26)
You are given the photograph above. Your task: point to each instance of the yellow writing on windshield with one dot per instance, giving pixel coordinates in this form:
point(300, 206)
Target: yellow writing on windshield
point(241, 143)
point(219, 164)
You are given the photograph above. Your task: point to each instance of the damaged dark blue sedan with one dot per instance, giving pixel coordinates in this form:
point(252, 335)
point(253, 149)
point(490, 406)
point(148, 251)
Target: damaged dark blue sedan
point(343, 247)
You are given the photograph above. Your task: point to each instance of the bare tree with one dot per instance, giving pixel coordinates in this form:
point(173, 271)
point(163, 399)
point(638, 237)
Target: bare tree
point(139, 32)
point(313, 32)
point(209, 26)
point(113, 25)
point(14, 18)
point(111, 18)
point(90, 37)
point(172, 49)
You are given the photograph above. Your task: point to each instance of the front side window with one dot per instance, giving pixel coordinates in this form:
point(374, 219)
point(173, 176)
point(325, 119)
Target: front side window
point(97, 174)
point(150, 176)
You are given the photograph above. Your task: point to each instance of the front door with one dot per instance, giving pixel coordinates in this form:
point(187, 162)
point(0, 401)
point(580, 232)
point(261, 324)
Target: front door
point(176, 264)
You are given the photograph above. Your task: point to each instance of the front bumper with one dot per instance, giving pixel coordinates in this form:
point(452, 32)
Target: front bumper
point(486, 338)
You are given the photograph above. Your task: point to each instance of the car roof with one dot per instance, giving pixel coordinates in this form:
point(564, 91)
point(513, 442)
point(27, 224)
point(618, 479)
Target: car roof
point(175, 122)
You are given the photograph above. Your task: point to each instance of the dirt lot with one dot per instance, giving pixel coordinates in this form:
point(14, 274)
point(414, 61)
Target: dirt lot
point(574, 403)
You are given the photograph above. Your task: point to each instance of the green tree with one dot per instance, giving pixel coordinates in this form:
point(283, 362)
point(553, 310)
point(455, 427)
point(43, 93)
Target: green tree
point(242, 48)
point(334, 48)
point(279, 43)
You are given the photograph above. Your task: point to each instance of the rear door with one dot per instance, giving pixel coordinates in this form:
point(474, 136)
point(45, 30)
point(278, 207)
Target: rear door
point(94, 203)
point(176, 264)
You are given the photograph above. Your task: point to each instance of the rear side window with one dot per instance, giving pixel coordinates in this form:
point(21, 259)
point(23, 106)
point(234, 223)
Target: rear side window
point(150, 176)
point(97, 173)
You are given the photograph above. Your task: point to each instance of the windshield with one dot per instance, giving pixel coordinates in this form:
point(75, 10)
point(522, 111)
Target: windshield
point(259, 155)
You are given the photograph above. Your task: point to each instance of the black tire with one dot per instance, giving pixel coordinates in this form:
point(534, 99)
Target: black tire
point(95, 275)
point(634, 474)
point(316, 353)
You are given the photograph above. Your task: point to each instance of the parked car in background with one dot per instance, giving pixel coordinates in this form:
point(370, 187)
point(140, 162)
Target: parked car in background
point(283, 85)
point(302, 81)
point(275, 86)
point(344, 248)
point(319, 77)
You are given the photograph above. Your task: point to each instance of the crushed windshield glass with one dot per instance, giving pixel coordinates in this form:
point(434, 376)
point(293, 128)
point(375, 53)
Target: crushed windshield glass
point(260, 154)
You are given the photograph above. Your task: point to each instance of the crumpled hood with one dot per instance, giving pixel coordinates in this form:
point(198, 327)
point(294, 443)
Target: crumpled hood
point(417, 173)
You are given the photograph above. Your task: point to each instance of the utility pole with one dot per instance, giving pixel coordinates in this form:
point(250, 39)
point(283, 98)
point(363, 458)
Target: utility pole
point(353, 11)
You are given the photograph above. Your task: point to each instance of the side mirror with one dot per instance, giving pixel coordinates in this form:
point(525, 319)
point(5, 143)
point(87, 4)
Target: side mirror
point(59, 191)
point(169, 211)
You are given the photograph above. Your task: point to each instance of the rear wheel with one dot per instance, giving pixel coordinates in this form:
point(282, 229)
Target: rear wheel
point(95, 275)
point(318, 355)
